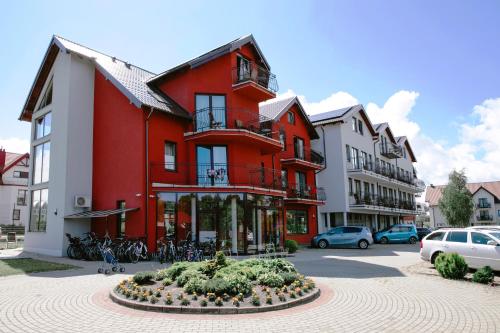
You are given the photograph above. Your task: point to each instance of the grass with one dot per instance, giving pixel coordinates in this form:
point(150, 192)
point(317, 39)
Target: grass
point(28, 265)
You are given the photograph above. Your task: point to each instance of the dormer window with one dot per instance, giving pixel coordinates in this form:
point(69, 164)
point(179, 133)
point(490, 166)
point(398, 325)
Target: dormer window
point(47, 96)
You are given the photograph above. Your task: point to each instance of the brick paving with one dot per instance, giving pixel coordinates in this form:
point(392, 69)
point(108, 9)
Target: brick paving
point(365, 291)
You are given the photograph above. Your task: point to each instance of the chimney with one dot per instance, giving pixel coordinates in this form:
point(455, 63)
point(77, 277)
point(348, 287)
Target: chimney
point(2, 158)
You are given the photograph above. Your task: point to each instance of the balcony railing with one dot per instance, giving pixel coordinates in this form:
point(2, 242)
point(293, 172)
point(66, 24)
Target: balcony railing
point(305, 154)
point(484, 218)
point(387, 172)
point(217, 118)
point(303, 191)
point(216, 174)
point(484, 205)
point(391, 150)
point(257, 74)
point(382, 201)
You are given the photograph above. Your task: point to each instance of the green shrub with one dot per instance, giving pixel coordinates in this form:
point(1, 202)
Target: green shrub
point(279, 265)
point(144, 277)
point(194, 285)
point(289, 277)
point(189, 274)
point(451, 266)
point(271, 279)
point(210, 267)
point(237, 283)
point(216, 286)
point(167, 281)
point(174, 271)
point(484, 275)
point(291, 245)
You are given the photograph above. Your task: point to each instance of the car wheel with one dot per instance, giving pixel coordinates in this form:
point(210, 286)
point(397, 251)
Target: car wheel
point(384, 240)
point(434, 256)
point(363, 244)
point(322, 244)
point(413, 240)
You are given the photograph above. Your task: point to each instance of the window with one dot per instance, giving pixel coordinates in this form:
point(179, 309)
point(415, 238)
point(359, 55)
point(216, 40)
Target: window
point(348, 153)
point(300, 179)
point(120, 219)
point(364, 160)
point(351, 230)
point(437, 236)
point(478, 238)
point(41, 165)
point(350, 186)
point(284, 179)
point(296, 222)
point(498, 213)
point(212, 165)
point(16, 214)
point(457, 236)
point(299, 148)
point(355, 157)
point(360, 127)
point(38, 218)
point(357, 186)
point(283, 139)
point(483, 203)
point(210, 112)
point(291, 117)
point(243, 68)
point(47, 96)
point(354, 124)
point(20, 174)
point(21, 197)
point(170, 151)
point(43, 126)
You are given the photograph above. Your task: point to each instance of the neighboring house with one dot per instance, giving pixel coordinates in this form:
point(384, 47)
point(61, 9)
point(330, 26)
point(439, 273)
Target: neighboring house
point(486, 197)
point(186, 154)
point(369, 175)
point(14, 172)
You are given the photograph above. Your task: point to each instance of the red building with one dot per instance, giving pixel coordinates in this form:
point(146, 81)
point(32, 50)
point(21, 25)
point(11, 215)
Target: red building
point(191, 152)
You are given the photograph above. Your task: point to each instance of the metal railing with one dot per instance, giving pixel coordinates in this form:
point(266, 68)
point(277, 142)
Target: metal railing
point(391, 150)
point(385, 171)
point(304, 191)
point(215, 174)
point(216, 118)
point(484, 205)
point(306, 154)
point(255, 73)
point(363, 198)
point(484, 218)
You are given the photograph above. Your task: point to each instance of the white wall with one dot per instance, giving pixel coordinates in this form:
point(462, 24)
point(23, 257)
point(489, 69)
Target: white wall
point(8, 195)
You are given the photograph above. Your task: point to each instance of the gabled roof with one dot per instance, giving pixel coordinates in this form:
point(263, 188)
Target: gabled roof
point(11, 160)
point(275, 108)
point(342, 115)
point(213, 54)
point(403, 140)
point(380, 128)
point(129, 79)
point(433, 193)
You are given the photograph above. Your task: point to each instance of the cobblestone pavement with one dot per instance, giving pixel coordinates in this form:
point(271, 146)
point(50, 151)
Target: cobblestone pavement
point(370, 291)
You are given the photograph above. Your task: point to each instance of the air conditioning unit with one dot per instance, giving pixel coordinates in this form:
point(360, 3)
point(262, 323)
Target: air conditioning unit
point(82, 201)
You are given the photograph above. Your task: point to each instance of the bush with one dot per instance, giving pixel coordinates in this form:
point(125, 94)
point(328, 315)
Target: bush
point(451, 266)
point(188, 275)
point(173, 271)
point(167, 281)
point(216, 286)
point(484, 275)
point(279, 265)
point(291, 245)
point(211, 267)
point(289, 277)
point(194, 285)
point(271, 279)
point(144, 277)
point(238, 283)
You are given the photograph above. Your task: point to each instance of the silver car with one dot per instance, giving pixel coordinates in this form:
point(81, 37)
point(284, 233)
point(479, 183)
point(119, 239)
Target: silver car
point(351, 236)
point(479, 247)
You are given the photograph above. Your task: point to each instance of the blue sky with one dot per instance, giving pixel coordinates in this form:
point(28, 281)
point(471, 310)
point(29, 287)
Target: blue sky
point(445, 51)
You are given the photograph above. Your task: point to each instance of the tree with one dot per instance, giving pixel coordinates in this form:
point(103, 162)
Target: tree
point(456, 203)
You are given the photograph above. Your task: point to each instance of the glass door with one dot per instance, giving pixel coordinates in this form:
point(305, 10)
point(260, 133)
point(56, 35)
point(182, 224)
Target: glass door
point(212, 165)
point(210, 112)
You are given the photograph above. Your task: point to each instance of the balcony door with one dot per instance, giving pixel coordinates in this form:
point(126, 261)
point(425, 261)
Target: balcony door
point(210, 112)
point(212, 165)
point(299, 148)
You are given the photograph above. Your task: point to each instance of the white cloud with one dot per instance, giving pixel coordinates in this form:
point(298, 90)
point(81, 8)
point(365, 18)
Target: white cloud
point(15, 145)
point(477, 147)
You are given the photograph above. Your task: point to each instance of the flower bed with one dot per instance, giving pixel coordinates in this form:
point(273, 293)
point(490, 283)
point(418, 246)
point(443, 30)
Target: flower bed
point(218, 284)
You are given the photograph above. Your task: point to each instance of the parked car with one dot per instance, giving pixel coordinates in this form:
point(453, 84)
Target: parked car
point(478, 247)
point(422, 232)
point(351, 236)
point(398, 233)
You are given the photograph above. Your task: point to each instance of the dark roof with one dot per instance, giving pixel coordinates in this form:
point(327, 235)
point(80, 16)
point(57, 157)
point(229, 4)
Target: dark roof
point(99, 213)
point(331, 115)
point(129, 79)
point(341, 115)
point(403, 140)
point(379, 128)
point(213, 54)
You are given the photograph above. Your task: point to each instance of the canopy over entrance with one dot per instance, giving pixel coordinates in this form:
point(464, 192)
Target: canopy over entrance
point(99, 213)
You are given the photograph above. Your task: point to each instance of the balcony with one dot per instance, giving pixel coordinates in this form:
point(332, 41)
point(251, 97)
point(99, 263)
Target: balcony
point(483, 205)
point(484, 217)
point(229, 125)
point(217, 177)
point(305, 194)
point(380, 202)
point(302, 158)
point(254, 82)
point(391, 150)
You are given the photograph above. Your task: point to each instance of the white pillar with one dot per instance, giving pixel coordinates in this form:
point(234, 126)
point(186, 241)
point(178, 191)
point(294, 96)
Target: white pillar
point(376, 222)
point(345, 218)
point(193, 218)
point(234, 227)
point(328, 224)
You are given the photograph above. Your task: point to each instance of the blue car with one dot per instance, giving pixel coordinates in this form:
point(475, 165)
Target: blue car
point(398, 233)
point(344, 237)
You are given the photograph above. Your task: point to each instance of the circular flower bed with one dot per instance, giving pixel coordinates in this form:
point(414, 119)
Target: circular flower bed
point(220, 285)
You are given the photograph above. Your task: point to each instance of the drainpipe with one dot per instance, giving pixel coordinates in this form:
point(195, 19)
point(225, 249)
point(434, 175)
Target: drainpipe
point(146, 196)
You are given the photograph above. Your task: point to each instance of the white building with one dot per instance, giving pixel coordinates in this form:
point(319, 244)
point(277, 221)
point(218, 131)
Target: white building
point(486, 197)
point(369, 175)
point(14, 171)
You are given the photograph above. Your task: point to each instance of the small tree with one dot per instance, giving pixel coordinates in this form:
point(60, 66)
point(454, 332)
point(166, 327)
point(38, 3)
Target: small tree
point(456, 203)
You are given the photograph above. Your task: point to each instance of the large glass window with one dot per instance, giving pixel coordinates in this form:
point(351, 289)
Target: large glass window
point(38, 219)
point(300, 178)
point(296, 222)
point(212, 165)
point(210, 112)
point(170, 150)
point(299, 148)
point(43, 125)
point(355, 157)
point(41, 165)
point(47, 96)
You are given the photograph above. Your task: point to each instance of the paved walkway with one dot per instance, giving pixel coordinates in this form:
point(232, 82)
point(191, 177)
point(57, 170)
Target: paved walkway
point(372, 291)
